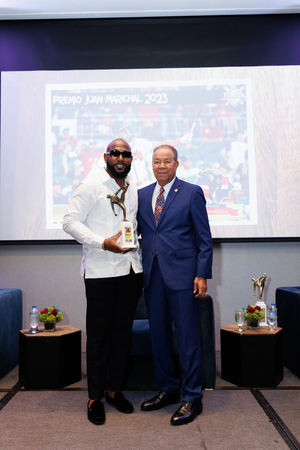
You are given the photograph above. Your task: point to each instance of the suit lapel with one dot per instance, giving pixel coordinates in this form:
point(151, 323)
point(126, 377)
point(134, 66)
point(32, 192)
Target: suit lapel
point(148, 203)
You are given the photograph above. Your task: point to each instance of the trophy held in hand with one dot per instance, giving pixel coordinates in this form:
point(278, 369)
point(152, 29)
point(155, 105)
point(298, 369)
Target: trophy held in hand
point(127, 237)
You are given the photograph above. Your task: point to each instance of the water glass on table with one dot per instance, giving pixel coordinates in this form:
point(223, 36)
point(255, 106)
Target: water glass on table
point(240, 319)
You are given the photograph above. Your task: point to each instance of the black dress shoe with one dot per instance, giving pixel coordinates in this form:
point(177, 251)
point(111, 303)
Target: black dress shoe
point(160, 400)
point(187, 412)
point(120, 403)
point(96, 412)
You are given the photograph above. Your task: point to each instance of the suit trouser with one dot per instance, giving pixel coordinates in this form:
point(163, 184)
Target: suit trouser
point(111, 305)
point(164, 306)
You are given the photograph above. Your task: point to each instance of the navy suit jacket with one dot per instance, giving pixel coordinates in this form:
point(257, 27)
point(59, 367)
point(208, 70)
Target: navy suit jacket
point(182, 239)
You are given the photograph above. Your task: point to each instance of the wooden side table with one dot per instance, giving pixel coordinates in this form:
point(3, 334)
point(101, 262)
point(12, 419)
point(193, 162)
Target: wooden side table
point(50, 359)
point(252, 358)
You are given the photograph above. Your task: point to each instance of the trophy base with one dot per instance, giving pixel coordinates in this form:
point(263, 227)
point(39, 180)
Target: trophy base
point(263, 306)
point(127, 237)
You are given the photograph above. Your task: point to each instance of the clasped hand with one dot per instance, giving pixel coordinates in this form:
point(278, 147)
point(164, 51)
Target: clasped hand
point(111, 244)
point(200, 287)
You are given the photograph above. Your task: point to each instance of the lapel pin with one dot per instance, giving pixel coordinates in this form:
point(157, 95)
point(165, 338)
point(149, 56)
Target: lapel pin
point(175, 190)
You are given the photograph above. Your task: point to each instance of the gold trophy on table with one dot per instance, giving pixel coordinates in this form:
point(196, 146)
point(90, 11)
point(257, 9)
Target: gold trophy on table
point(260, 284)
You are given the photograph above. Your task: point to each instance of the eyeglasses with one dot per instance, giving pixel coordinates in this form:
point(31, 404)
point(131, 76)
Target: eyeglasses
point(116, 153)
point(167, 162)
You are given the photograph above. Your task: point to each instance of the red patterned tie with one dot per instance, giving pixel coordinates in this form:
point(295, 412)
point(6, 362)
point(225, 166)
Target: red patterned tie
point(159, 205)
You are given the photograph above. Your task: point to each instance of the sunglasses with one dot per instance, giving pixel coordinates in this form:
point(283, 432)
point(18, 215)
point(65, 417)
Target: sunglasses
point(116, 153)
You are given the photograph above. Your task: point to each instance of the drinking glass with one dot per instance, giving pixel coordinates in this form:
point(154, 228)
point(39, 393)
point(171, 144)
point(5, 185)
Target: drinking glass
point(240, 319)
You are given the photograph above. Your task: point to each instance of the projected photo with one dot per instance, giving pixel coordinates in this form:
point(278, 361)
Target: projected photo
point(236, 130)
point(210, 124)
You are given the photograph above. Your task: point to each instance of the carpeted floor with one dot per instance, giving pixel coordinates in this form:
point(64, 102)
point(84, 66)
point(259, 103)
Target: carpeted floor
point(233, 418)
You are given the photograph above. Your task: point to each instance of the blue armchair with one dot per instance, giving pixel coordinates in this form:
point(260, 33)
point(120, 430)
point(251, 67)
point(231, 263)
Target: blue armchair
point(11, 323)
point(141, 344)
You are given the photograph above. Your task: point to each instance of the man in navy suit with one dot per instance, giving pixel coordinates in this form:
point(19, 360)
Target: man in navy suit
point(177, 261)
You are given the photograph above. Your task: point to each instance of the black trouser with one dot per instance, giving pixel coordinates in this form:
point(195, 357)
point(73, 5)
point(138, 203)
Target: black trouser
point(111, 305)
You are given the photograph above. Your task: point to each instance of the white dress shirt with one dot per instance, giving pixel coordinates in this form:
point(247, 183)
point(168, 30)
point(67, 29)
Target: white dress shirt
point(90, 220)
point(167, 188)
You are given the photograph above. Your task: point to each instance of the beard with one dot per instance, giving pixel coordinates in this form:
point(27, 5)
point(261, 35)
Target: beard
point(116, 174)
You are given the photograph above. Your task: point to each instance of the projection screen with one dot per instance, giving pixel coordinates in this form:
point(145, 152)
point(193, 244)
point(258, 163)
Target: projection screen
point(236, 130)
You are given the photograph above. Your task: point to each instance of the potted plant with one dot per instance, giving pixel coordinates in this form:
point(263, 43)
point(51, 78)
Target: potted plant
point(253, 315)
point(49, 316)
